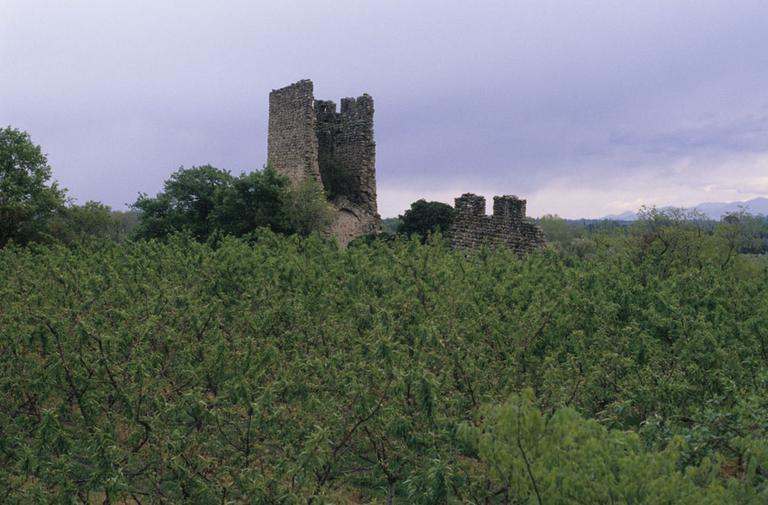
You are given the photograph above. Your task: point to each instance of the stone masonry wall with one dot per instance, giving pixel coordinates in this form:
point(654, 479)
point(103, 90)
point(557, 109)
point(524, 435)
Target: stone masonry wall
point(347, 150)
point(506, 227)
point(308, 138)
point(292, 142)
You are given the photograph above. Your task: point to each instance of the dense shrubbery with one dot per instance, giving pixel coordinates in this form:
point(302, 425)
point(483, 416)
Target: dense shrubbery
point(34, 209)
point(28, 201)
point(206, 200)
point(425, 217)
point(623, 364)
point(287, 371)
point(203, 201)
point(745, 233)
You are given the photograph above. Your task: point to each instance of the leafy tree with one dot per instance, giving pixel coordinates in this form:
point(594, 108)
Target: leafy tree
point(281, 370)
point(204, 200)
point(27, 200)
point(426, 217)
point(187, 202)
point(124, 222)
point(77, 222)
point(308, 209)
point(390, 225)
point(742, 233)
point(564, 459)
point(556, 229)
point(251, 201)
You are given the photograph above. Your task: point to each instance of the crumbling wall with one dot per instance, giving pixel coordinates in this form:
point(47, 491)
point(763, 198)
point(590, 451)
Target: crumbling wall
point(327, 130)
point(506, 227)
point(347, 150)
point(352, 221)
point(292, 141)
point(309, 138)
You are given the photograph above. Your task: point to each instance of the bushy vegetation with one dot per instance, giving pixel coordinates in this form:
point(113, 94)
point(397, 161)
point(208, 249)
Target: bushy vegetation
point(211, 346)
point(28, 201)
point(746, 233)
point(35, 209)
point(206, 200)
point(283, 370)
point(202, 201)
point(424, 218)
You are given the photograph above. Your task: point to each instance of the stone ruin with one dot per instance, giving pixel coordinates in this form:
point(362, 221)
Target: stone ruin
point(507, 227)
point(308, 138)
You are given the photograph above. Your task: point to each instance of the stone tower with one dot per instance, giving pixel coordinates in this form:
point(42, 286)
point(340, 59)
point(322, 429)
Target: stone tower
point(308, 138)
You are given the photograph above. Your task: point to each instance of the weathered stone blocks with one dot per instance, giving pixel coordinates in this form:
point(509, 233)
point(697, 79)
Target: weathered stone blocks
point(292, 143)
point(308, 138)
point(506, 227)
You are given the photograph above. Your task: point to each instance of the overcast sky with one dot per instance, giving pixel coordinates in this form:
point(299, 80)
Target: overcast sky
point(584, 108)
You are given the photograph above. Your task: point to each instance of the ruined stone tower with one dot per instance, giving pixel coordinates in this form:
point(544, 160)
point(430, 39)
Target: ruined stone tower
point(507, 227)
point(308, 138)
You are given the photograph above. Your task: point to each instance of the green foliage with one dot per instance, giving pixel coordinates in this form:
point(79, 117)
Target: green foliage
point(283, 370)
point(308, 209)
point(743, 233)
point(123, 223)
point(556, 229)
point(564, 459)
point(27, 200)
point(254, 200)
point(426, 217)
point(188, 202)
point(92, 221)
point(79, 222)
point(737, 233)
point(390, 225)
point(206, 200)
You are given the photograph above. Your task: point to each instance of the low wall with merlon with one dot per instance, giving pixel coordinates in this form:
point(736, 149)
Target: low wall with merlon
point(508, 227)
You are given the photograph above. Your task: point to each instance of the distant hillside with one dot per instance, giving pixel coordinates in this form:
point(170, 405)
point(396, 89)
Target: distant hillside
point(624, 216)
point(713, 210)
point(716, 210)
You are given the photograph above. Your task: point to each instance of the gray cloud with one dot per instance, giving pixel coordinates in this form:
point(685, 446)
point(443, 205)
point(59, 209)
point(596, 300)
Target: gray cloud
point(507, 97)
point(709, 136)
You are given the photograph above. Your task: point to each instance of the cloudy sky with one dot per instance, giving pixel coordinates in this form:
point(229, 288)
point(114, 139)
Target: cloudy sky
point(585, 108)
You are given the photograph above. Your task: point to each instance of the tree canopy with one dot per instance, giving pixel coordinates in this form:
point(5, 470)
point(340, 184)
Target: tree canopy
point(204, 200)
point(188, 202)
point(282, 370)
point(28, 199)
point(75, 223)
point(426, 217)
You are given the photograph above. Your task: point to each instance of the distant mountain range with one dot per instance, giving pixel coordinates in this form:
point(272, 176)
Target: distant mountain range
point(713, 210)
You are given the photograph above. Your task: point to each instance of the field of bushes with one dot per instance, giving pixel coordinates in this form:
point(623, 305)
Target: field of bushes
point(281, 370)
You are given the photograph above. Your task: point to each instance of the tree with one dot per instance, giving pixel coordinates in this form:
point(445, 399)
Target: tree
point(426, 217)
point(27, 200)
point(556, 229)
point(254, 200)
point(77, 222)
point(203, 200)
point(188, 201)
point(564, 458)
point(742, 233)
point(123, 224)
point(390, 225)
point(308, 209)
